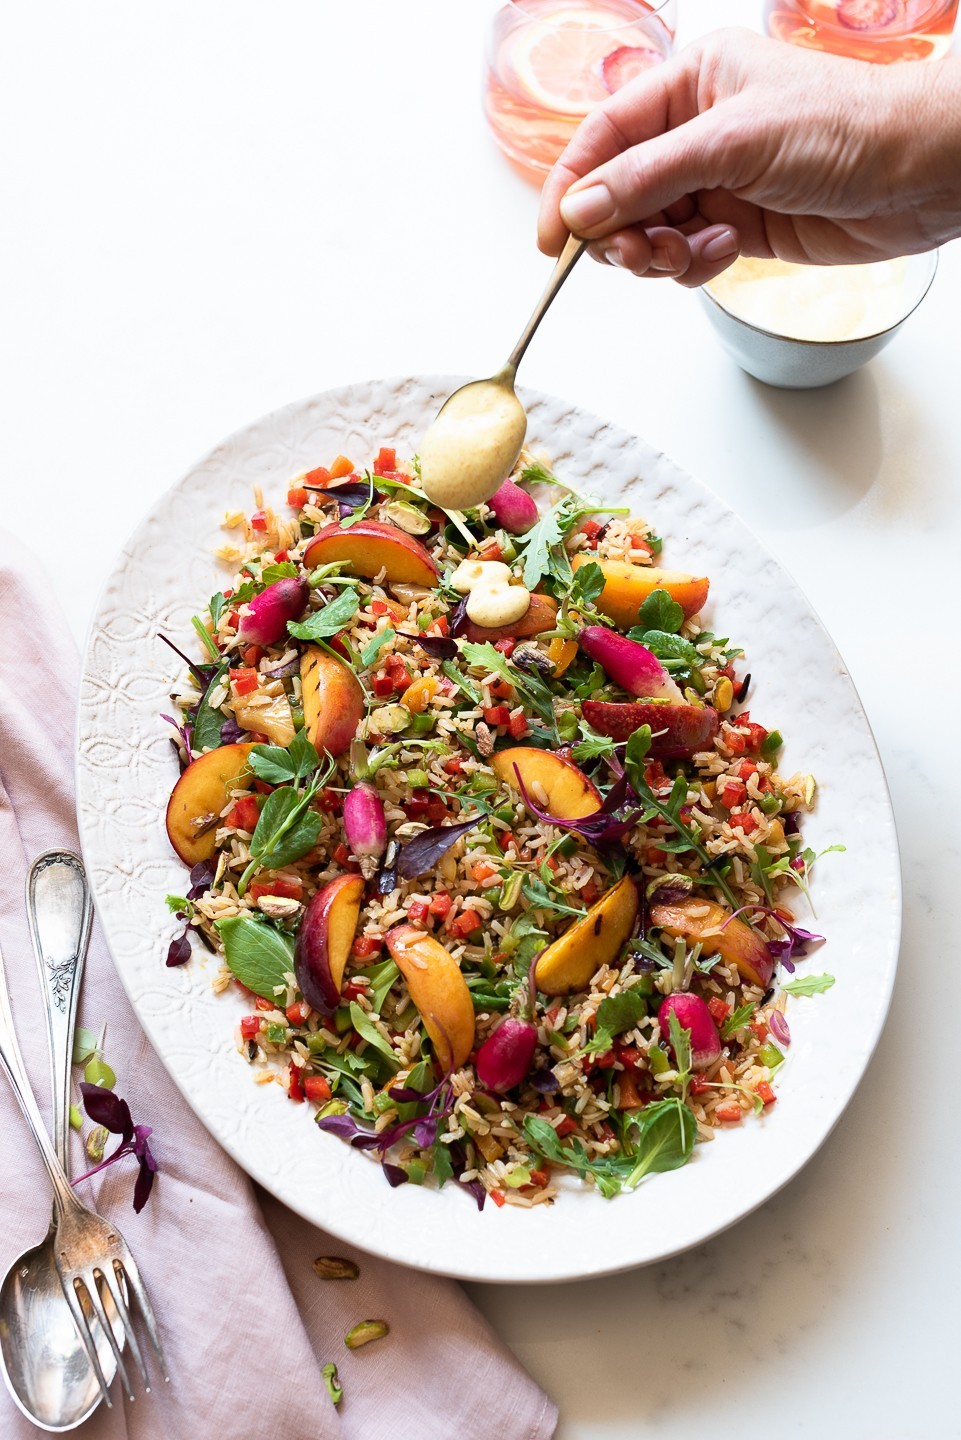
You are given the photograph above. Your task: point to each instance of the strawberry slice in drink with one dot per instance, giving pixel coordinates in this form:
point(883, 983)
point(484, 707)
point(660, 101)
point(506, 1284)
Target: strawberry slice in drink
point(869, 14)
point(626, 63)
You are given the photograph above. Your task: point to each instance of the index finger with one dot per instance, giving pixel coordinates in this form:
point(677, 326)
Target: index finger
point(655, 102)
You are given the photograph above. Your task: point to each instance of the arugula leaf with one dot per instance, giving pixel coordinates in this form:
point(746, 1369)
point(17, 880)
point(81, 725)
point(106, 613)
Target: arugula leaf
point(808, 985)
point(666, 1134)
point(667, 646)
point(207, 722)
point(537, 546)
point(443, 1169)
point(284, 570)
point(537, 694)
point(541, 898)
point(523, 940)
point(371, 650)
point(661, 612)
point(218, 604)
point(334, 616)
point(256, 952)
point(463, 684)
point(737, 1020)
point(179, 905)
point(278, 766)
point(592, 745)
point(594, 681)
point(364, 1026)
point(615, 1014)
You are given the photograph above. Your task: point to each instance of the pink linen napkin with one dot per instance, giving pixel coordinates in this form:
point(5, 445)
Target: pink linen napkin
point(246, 1322)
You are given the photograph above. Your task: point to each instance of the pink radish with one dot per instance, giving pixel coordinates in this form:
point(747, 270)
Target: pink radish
point(629, 663)
point(693, 1015)
point(513, 508)
point(365, 825)
point(505, 1056)
point(265, 621)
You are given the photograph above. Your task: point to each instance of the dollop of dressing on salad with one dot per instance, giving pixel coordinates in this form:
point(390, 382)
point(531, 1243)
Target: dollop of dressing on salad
point(491, 598)
point(473, 444)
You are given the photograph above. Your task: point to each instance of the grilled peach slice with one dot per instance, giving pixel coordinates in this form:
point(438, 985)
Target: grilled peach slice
point(568, 963)
point(570, 795)
point(333, 700)
point(198, 796)
point(541, 615)
point(439, 991)
point(736, 943)
point(371, 546)
point(677, 731)
point(324, 939)
point(627, 586)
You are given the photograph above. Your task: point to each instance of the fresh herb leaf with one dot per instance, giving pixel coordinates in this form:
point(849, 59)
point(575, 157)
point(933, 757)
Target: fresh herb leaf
point(680, 1037)
point(381, 977)
point(660, 611)
point(179, 905)
point(592, 745)
point(737, 1020)
point(207, 723)
point(218, 603)
point(665, 1139)
point(333, 617)
point(205, 638)
point(360, 510)
point(364, 1026)
point(808, 985)
point(257, 953)
point(586, 586)
point(618, 1013)
point(85, 1045)
point(537, 545)
point(668, 647)
point(282, 570)
point(543, 899)
point(286, 830)
point(279, 767)
point(373, 648)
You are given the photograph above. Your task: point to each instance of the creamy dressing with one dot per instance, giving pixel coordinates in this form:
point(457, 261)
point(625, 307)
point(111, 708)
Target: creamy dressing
point(813, 302)
point(473, 445)
point(491, 599)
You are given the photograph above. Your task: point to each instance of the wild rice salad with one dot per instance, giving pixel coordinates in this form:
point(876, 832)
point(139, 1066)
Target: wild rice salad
point(479, 826)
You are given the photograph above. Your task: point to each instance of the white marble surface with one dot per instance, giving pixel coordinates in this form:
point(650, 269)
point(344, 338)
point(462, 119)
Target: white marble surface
point(210, 210)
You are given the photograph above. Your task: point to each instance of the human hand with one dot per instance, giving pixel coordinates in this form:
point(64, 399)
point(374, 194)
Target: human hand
point(743, 144)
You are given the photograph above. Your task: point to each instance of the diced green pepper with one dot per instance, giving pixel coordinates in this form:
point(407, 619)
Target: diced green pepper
point(276, 1034)
point(771, 1056)
point(657, 1060)
point(421, 724)
point(419, 779)
point(771, 744)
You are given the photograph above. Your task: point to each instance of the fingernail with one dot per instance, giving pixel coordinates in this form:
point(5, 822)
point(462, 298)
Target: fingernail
point(580, 209)
point(613, 256)
point(720, 247)
point(661, 260)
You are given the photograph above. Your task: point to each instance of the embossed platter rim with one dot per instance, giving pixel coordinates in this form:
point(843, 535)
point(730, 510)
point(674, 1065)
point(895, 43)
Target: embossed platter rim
point(125, 769)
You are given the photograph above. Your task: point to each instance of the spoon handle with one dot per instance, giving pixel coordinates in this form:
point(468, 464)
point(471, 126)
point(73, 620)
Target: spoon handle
point(566, 261)
point(11, 1061)
point(59, 912)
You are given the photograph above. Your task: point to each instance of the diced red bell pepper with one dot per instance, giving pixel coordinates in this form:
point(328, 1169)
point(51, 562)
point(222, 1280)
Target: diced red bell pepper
point(483, 870)
point(298, 1013)
point(566, 1126)
point(506, 646)
point(490, 550)
point(744, 821)
point(318, 479)
point(639, 543)
point(262, 787)
point(628, 1055)
point(280, 556)
point(735, 742)
point(417, 911)
point(377, 607)
point(250, 1026)
point(284, 889)
point(437, 811)
point(700, 1085)
point(440, 626)
point(517, 725)
point(498, 1197)
point(502, 689)
point(367, 945)
point(316, 1088)
point(540, 1178)
point(605, 1061)
point(729, 1112)
point(262, 1003)
point(386, 460)
point(383, 686)
point(756, 734)
point(731, 793)
point(719, 1009)
point(244, 681)
point(746, 769)
point(329, 801)
point(465, 924)
point(496, 714)
point(251, 655)
point(295, 1085)
point(417, 806)
point(454, 765)
point(258, 520)
point(354, 989)
point(244, 814)
point(341, 468)
point(654, 855)
point(765, 1093)
point(341, 855)
point(591, 528)
point(440, 904)
point(759, 1030)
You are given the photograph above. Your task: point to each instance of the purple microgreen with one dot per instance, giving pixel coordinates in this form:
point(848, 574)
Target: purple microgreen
point(422, 852)
point(352, 496)
point(458, 616)
point(203, 674)
point(604, 827)
point(183, 731)
point(180, 949)
point(231, 732)
point(284, 672)
point(109, 1110)
point(439, 647)
point(201, 879)
point(795, 938)
point(458, 1160)
point(346, 1128)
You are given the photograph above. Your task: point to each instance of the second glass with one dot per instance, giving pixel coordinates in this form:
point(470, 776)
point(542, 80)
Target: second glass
point(551, 61)
point(876, 30)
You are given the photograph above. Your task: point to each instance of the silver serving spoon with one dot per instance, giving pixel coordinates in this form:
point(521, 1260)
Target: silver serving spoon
point(476, 438)
point(42, 1355)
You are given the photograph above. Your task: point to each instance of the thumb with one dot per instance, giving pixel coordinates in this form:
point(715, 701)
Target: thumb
point(647, 178)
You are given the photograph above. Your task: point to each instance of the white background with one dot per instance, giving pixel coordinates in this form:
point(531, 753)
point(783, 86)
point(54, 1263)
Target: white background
point(208, 210)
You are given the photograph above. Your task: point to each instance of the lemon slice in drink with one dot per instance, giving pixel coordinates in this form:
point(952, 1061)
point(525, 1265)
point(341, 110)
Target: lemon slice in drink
point(557, 61)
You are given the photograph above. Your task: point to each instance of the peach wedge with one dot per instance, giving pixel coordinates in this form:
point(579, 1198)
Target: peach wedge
point(439, 991)
point(541, 615)
point(324, 939)
point(570, 795)
point(712, 927)
point(371, 546)
point(198, 796)
point(569, 963)
point(333, 700)
point(627, 586)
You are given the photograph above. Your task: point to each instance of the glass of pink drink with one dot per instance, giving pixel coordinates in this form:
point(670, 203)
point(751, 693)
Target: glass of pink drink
point(878, 30)
point(549, 62)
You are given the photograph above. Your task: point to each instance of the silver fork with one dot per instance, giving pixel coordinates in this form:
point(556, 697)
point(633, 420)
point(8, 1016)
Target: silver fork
point(90, 1252)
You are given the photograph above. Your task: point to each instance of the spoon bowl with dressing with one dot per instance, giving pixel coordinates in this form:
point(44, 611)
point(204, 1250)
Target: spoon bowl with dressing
point(476, 438)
